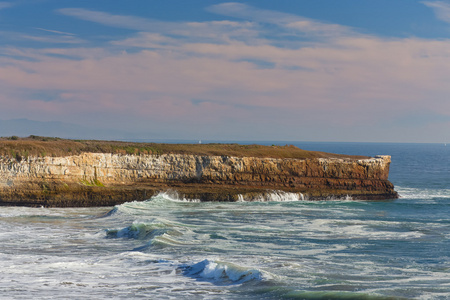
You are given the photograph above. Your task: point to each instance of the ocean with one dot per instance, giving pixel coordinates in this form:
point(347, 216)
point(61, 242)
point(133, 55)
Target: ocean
point(277, 248)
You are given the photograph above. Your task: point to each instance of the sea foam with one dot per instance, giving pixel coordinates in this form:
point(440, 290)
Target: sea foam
point(273, 196)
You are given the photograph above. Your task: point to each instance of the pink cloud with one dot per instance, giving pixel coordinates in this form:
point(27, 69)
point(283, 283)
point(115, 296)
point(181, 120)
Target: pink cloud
point(353, 74)
point(342, 82)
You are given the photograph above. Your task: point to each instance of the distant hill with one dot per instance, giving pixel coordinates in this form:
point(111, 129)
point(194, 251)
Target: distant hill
point(26, 127)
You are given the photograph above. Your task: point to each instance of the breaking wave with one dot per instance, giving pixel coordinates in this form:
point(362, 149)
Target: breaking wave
point(162, 199)
point(423, 194)
point(139, 231)
point(222, 273)
point(173, 199)
point(272, 196)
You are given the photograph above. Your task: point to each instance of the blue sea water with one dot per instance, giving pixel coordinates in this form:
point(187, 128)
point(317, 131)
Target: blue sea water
point(285, 248)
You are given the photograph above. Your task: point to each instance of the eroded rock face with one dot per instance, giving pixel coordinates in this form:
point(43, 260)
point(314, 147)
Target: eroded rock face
point(116, 178)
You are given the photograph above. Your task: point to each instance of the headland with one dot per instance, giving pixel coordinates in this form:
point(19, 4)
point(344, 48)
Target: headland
point(53, 172)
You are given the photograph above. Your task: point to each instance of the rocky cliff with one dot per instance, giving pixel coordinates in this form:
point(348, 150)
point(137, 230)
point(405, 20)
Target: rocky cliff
point(93, 179)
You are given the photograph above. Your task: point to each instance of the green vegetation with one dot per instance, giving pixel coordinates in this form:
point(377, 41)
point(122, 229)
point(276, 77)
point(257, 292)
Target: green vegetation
point(94, 182)
point(43, 138)
point(22, 148)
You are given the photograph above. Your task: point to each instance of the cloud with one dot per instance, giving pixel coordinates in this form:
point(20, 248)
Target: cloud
point(358, 80)
point(217, 31)
point(441, 9)
point(120, 21)
point(5, 5)
point(288, 21)
point(249, 28)
point(42, 36)
point(55, 31)
point(52, 39)
point(53, 36)
point(214, 78)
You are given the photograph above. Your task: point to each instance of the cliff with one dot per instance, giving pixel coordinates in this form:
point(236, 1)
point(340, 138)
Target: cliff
point(95, 179)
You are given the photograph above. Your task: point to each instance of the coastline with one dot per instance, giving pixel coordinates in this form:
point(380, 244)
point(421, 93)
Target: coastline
point(209, 172)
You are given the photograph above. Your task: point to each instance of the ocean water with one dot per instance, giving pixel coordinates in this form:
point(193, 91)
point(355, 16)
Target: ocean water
point(277, 248)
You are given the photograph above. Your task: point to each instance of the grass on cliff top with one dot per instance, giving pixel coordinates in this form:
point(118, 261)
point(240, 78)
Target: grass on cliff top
point(21, 148)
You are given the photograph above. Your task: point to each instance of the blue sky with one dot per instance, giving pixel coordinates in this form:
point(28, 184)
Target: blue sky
point(310, 70)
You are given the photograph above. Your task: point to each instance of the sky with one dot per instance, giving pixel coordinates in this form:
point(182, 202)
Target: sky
point(306, 70)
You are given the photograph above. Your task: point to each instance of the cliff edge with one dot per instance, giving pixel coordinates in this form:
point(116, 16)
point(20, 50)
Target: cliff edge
point(48, 175)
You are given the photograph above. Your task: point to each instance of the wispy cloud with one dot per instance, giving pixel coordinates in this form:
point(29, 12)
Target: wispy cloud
point(55, 31)
point(441, 9)
point(288, 21)
point(5, 5)
point(251, 17)
point(54, 36)
point(64, 39)
point(195, 31)
point(42, 36)
point(120, 21)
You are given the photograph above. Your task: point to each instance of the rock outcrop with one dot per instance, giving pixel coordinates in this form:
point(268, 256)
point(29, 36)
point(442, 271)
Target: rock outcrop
point(96, 179)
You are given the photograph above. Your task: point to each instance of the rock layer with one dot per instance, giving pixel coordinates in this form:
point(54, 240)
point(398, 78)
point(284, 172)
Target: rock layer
point(93, 179)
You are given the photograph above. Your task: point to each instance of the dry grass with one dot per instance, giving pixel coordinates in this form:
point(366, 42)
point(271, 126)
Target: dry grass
point(21, 148)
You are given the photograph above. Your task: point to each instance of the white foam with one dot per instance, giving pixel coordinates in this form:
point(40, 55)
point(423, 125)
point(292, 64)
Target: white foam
point(147, 207)
point(357, 229)
point(341, 198)
point(273, 196)
point(421, 193)
point(174, 196)
point(167, 240)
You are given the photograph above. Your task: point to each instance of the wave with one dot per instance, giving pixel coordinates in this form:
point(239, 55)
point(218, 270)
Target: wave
point(155, 234)
point(222, 273)
point(272, 196)
point(423, 193)
point(139, 231)
point(165, 240)
point(162, 199)
point(171, 199)
point(172, 196)
point(336, 295)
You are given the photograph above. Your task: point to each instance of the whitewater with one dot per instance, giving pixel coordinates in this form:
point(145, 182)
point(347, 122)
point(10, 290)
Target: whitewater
point(277, 247)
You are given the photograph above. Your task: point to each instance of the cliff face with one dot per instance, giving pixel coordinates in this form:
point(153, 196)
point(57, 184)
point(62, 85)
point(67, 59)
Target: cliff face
point(107, 179)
